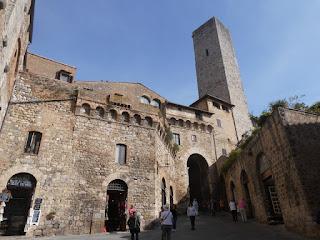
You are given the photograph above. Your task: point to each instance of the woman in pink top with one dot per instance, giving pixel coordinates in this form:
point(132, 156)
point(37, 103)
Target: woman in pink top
point(242, 210)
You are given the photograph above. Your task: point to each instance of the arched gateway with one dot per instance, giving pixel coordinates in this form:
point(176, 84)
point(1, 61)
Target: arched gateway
point(117, 193)
point(20, 190)
point(198, 179)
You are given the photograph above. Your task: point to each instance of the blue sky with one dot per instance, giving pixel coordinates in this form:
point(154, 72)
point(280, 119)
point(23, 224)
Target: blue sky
point(276, 42)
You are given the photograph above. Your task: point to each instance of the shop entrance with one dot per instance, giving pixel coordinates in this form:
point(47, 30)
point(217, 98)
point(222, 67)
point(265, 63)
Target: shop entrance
point(117, 192)
point(21, 187)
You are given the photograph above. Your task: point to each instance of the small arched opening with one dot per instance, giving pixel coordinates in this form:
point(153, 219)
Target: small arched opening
point(163, 192)
point(246, 193)
point(171, 197)
point(149, 121)
point(233, 193)
point(137, 119)
point(100, 112)
point(20, 188)
point(86, 109)
point(198, 170)
point(113, 114)
point(125, 117)
point(117, 192)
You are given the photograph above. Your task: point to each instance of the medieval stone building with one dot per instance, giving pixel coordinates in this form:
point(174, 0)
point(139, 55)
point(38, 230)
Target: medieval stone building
point(75, 154)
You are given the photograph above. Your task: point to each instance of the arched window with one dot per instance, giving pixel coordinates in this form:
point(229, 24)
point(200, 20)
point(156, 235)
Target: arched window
point(156, 103)
point(100, 112)
point(33, 142)
point(195, 126)
point(202, 127)
point(137, 119)
point(113, 114)
point(181, 123)
point(171, 196)
point(145, 100)
point(125, 117)
point(149, 121)
point(121, 154)
point(163, 192)
point(188, 124)
point(172, 121)
point(86, 108)
point(210, 128)
point(233, 191)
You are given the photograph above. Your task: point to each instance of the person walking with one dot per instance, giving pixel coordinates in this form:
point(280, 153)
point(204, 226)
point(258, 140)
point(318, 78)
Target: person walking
point(233, 209)
point(166, 218)
point(175, 217)
point(195, 204)
point(191, 213)
point(131, 211)
point(134, 225)
point(242, 209)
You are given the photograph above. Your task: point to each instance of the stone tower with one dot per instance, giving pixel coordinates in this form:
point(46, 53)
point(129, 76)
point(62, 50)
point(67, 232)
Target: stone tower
point(218, 72)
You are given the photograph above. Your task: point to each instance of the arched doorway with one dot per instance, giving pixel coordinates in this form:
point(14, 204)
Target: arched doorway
point(233, 191)
point(117, 193)
point(171, 197)
point(198, 179)
point(21, 187)
point(244, 182)
point(163, 192)
point(270, 194)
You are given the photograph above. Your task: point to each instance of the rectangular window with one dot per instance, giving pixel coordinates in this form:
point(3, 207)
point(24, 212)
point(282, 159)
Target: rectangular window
point(64, 76)
point(219, 123)
point(224, 152)
point(198, 115)
point(207, 52)
point(217, 105)
point(121, 154)
point(193, 138)
point(33, 143)
point(176, 138)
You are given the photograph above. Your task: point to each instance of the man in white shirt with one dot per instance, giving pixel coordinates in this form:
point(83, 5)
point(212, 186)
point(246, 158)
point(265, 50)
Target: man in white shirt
point(166, 218)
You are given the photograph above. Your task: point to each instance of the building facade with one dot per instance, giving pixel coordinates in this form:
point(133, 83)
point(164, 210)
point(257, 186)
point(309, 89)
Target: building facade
point(277, 172)
point(75, 154)
point(16, 22)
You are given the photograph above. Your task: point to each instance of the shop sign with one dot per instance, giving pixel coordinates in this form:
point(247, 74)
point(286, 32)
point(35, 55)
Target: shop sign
point(20, 183)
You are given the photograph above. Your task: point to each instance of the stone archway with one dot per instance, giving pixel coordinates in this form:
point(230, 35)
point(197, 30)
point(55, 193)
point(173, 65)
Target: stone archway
point(198, 171)
point(246, 193)
point(21, 187)
point(117, 193)
point(269, 191)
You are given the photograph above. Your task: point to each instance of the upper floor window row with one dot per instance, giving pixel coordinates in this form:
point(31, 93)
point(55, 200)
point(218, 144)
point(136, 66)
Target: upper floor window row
point(220, 106)
point(154, 102)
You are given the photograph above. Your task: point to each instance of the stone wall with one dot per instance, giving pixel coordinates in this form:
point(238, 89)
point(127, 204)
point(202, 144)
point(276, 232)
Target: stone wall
point(15, 31)
point(289, 141)
point(76, 160)
point(46, 67)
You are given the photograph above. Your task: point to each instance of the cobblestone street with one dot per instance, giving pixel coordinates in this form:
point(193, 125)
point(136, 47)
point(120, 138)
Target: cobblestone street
point(207, 228)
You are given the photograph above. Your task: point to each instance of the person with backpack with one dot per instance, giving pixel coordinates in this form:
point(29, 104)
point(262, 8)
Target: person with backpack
point(166, 219)
point(134, 225)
